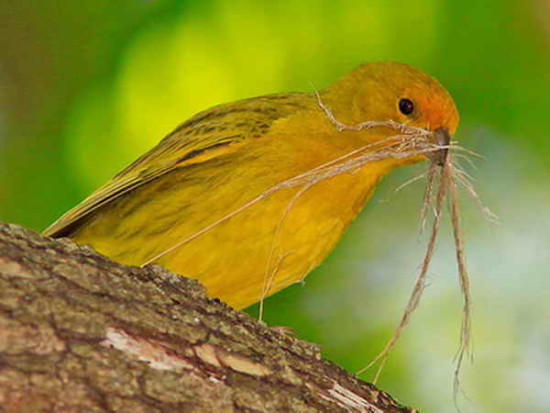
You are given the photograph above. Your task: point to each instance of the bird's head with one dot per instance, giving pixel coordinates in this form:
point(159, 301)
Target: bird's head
point(390, 91)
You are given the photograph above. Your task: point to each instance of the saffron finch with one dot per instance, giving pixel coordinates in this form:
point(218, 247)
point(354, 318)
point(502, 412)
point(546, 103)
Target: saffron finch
point(250, 196)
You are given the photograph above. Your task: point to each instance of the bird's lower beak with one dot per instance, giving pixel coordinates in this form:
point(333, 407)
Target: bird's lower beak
point(441, 138)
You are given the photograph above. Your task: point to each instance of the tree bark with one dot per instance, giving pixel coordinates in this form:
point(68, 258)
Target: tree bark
point(81, 333)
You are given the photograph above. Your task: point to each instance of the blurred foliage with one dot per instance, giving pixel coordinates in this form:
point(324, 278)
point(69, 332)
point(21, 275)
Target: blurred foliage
point(86, 87)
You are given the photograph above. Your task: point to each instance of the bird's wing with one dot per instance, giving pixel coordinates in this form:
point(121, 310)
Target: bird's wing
point(205, 136)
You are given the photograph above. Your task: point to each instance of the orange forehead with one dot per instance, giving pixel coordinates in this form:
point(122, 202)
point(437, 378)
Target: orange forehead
point(435, 106)
point(436, 109)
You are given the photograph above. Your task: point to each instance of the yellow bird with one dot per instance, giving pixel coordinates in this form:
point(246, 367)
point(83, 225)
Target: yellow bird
point(248, 197)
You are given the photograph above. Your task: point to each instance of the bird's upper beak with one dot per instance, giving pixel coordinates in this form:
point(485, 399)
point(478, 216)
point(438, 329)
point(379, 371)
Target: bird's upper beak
point(442, 138)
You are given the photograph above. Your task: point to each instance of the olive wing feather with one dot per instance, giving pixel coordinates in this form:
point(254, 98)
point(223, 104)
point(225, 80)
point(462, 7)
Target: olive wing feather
point(205, 136)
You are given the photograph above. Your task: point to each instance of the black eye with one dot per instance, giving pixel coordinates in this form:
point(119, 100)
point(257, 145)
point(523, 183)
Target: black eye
point(406, 106)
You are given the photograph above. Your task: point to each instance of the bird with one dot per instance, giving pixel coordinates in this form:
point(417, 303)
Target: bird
point(250, 196)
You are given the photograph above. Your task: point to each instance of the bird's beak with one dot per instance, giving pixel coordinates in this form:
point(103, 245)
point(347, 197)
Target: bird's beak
point(441, 137)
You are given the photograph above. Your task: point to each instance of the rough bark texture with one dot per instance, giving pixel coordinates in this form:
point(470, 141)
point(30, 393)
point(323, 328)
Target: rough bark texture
point(80, 333)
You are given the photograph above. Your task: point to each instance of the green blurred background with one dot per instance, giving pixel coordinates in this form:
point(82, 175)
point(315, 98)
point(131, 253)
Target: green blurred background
point(87, 86)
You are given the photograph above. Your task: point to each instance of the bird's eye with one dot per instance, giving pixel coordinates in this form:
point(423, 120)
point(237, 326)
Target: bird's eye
point(406, 106)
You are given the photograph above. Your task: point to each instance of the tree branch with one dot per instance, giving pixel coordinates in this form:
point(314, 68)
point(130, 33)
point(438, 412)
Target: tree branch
point(80, 333)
